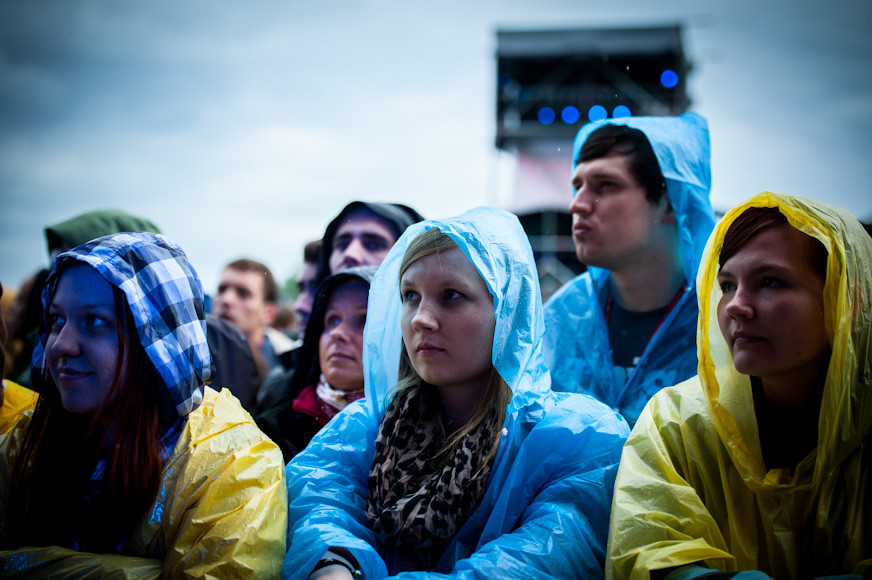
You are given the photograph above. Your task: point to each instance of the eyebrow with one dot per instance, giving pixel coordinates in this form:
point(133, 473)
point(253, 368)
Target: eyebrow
point(761, 269)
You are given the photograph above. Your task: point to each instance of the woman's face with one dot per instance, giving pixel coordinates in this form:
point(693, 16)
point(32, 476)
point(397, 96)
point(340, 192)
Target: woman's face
point(340, 349)
point(81, 350)
point(447, 321)
point(772, 310)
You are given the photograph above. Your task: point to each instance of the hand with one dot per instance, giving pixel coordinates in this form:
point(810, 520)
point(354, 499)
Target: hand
point(332, 572)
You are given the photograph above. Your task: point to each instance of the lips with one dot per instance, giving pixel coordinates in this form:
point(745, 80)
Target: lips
point(67, 375)
point(427, 349)
point(580, 229)
point(341, 355)
point(743, 338)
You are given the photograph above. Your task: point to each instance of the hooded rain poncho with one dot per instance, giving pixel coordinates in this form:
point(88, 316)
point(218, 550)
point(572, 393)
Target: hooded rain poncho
point(546, 503)
point(221, 506)
point(576, 345)
point(693, 486)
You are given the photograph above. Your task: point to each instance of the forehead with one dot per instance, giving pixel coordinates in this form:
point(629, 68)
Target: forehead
point(79, 284)
point(252, 281)
point(443, 267)
point(362, 220)
point(352, 292)
point(782, 246)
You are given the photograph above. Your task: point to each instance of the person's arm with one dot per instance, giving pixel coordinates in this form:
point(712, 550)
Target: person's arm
point(551, 516)
point(57, 562)
point(328, 484)
point(659, 521)
point(226, 513)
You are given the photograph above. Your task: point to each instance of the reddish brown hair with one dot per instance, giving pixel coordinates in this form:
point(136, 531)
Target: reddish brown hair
point(60, 452)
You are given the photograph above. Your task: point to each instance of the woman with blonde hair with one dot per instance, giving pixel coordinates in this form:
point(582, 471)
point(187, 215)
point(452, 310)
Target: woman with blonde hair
point(460, 460)
point(762, 464)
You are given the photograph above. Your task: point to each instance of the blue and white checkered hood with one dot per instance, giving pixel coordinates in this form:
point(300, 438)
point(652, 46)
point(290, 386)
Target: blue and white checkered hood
point(165, 296)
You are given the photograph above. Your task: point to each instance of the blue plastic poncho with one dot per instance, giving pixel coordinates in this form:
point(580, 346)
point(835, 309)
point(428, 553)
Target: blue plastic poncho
point(584, 365)
point(545, 510)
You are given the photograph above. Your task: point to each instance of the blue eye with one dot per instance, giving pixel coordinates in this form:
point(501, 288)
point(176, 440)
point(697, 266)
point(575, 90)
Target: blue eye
point(451, 294)
point(332, 321)
point(408, 296)
point(771, 283)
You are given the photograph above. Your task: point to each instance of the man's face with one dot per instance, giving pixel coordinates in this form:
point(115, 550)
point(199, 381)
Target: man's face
point(240, 301)
point(363, 239)
point(306, 286)
point(613, 225)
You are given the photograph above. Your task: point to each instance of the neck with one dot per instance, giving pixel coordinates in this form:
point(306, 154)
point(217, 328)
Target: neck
point(459, 405)
point(798, 391)
point(647, 286)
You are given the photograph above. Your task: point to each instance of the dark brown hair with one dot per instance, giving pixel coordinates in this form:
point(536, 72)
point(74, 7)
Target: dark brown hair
point(270, 288)
point(634, 145)
point(755, 220)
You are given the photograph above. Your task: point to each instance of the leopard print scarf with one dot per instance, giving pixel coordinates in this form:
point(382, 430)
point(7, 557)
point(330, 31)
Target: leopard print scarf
point(414, 500)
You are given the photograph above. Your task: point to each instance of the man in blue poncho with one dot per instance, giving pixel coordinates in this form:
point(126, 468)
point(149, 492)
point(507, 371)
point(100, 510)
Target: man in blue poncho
point(641, 216)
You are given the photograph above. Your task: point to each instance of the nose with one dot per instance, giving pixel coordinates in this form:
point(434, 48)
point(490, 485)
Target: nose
point(65, 343)
point(583, 202)
point(739, 304)
point(354, 254)
point(339, 333)
point(425, 318)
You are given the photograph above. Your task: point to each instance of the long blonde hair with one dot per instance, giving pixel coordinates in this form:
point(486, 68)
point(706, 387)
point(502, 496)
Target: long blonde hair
point(497, 393)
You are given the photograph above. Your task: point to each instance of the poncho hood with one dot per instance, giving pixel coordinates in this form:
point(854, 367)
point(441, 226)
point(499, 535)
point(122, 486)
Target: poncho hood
point(683, 152)
point(502, 255)
point(846, 407)
point(164, 295)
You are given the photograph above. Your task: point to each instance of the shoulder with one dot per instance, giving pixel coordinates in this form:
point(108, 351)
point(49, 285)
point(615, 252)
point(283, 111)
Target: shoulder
point(18, 401)
point(565, 419)
point(222, 416)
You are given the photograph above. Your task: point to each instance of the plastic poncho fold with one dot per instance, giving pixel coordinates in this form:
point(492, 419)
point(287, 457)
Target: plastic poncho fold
point(577, 348)
point(221, 507)
point(693, 472)
point(546, 504)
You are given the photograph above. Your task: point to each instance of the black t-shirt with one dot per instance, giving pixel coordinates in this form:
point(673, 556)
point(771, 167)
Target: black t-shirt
point(629, 333)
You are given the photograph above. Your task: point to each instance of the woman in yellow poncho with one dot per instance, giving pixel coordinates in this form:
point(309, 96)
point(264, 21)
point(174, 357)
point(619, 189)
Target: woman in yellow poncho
point(762, 461)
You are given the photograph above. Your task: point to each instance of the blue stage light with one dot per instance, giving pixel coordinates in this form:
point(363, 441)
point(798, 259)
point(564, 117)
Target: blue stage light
point(621, 111)
point(669, 78)
point(570, 115)
point(597, 113)
point(546, 115)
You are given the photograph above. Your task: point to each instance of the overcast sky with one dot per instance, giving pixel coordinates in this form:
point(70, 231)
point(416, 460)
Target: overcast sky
point(241, 128)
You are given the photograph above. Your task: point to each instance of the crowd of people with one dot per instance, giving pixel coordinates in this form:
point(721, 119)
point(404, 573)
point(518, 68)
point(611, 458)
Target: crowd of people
point(696, 404)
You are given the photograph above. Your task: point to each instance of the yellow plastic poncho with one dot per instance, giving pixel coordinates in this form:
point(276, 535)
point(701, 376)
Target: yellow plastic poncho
point(692, 486)
point(16, 401)
point(221, 511)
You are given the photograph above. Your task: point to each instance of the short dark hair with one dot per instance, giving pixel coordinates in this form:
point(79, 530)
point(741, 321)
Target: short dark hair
point(755, 220)
point(634, 145)
point(270, 288)
point(311, 251)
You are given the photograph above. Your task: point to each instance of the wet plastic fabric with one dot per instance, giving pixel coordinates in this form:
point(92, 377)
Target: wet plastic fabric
point(692, 484)
point(16, 401)
point(545, 510)
point(577, 340)
point(221, 510)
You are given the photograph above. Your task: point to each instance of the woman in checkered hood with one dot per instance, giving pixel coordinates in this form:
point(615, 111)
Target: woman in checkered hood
point(128, 456)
